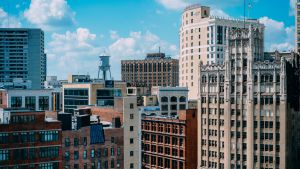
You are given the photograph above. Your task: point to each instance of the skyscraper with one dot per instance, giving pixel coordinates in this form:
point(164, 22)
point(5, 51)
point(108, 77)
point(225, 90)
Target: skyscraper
point(249, 107)
point(22, 56)
point(202, 39)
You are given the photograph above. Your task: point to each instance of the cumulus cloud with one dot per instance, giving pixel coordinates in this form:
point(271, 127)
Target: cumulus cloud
point(173, 4)
point(78, 51)
point(73, 52)
point(50, 14)
point(113, 35)
point(219, 12)
point(7, 21)
point(136, 46)
point(277, 35)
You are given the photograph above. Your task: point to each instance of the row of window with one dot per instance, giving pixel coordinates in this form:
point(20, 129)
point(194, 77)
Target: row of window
point(29, 137)
point(29, 153)
point(93, 153)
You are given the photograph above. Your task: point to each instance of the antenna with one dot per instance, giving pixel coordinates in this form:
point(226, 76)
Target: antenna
point(244, 14)
point(249, 8)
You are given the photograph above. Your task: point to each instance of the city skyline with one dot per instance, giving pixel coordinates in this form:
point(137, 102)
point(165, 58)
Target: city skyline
point(127, 35)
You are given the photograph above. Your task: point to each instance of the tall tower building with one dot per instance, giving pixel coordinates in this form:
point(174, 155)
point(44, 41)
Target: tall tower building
point(297, 26)
point(249, 107)
point(203, 39)
point(22, 56)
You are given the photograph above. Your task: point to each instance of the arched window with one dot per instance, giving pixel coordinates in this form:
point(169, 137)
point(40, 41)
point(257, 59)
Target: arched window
point(255, 78)
point(164, 99)
point(173, 99)
point(203, 79)
point(262, 78)
point(222, 79)
point(182, 99)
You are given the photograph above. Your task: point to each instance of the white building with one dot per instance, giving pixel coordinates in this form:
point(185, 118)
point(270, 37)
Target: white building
point(203, 39)
point(171, 99)
point(40, 99)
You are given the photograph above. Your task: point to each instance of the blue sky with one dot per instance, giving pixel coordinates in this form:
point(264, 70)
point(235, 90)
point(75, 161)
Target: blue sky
point(77, 31)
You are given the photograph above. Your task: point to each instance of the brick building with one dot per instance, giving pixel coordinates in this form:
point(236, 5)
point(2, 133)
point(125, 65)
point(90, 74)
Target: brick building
point(93, 147)
point(155, 70)
point(170, 142)
point(27, 140)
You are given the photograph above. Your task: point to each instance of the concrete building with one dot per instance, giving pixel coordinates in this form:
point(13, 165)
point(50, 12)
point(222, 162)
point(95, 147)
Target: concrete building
point(171, 99)
point(22, 56)
point(203, 39)
point(155, 70)
point(170, 142)
point(28, 140)
point(39, 99)
point(101, 94)
point(132, 133)
point(249, 107)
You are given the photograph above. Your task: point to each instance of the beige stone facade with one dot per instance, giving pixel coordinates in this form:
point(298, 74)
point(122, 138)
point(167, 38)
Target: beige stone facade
point(248, 107)
point(202, 39)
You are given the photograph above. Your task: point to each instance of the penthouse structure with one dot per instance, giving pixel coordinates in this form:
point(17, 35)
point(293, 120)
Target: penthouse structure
point(28, 140)
point(155, 70)
point(249, 106)
point(170, 142)
point(203, 38)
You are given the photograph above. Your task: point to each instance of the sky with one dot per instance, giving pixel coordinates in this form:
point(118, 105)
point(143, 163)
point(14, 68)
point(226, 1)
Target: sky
point(78, 31)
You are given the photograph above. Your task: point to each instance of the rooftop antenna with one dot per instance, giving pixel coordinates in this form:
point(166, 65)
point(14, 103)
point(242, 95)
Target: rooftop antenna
point(244, 14)
point(159, 49)
point(249, 8)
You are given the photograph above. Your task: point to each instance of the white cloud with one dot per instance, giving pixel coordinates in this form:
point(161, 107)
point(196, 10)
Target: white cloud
point(7, 21)
point(50, 14)
point(73, 52)
point(292, 7)
point(277, 35)
point(113, 35)
point(136, 46)
point(219, 12)
point(173, 4)
point(78, 51)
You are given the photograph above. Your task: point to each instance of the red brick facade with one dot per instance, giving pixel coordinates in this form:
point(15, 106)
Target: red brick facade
point(30, 142)
point(170, 142)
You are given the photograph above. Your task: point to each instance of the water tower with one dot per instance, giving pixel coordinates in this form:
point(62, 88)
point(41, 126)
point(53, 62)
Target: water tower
point(104, 66)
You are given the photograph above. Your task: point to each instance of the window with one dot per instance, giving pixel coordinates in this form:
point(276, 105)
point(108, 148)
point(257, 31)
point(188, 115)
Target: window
point(3, 138)
point(67, 142)
point(105, 152)
point(131, 153)
point(30, 102)
point(164, 99)
point(84, 154)
point(43, 103)
point(118, 151)
point(131, 106)
point(92, 153)
point(131, 116)
point(76, 155)
point(67, 155)
point(112, 151)
point(131, 128)
point(76, 141)
point(131, 140)
point(16, 102)
point(112, 163)
point(131, 166)
point(47, 136)
point(4, 155)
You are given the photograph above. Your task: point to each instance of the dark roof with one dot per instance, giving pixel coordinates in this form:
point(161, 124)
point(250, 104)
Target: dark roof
point(97, 134)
